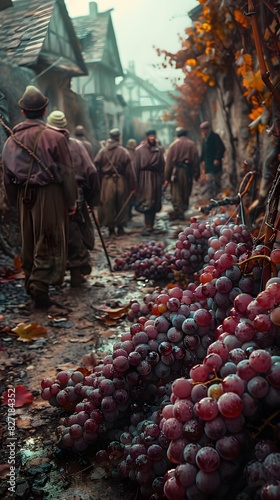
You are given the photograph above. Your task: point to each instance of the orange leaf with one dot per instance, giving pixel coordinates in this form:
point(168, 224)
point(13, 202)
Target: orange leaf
point(17, 397)
point(29, 332)
point(18, 263)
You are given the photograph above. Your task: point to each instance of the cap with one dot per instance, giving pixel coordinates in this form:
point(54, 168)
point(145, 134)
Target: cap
point(181, 131)
point(57, 119)
point(79, 130)
point(151, 132)
point(114, 133)
point(205, 125)
point(33, 99)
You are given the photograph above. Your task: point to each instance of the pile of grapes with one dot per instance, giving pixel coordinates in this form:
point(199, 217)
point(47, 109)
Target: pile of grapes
point(189, 399)
point(196, 246)
point(149, 260)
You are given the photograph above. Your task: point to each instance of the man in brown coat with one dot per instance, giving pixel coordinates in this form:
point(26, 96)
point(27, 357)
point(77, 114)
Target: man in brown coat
point(149, 168)
point(117, 181)
point(182, 165)
point(45, 191)
point(81, 231)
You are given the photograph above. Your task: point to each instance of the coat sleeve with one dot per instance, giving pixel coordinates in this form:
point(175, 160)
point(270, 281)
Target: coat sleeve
point(195, 163)
point(219, 148)
point(130, 171)
point(69, 183)
point(169, 164)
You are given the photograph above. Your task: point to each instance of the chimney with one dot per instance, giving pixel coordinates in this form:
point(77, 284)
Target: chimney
point(93, 10)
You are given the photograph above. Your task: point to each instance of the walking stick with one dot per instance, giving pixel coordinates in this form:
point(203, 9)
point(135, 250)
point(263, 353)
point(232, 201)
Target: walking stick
point(124, 205)
point(101, 238)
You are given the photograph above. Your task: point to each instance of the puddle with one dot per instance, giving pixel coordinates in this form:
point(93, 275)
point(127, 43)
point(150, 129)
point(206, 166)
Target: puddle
point(32, 448)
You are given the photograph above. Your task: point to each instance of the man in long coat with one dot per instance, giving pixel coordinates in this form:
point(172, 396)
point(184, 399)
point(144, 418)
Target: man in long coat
point(117, 181)
point(212, 153)
point(182, 165)
point(81, 231)
point(45, 191)
point(149, 168)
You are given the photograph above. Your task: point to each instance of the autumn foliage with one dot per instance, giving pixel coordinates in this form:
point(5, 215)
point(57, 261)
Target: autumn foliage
point(220, 41)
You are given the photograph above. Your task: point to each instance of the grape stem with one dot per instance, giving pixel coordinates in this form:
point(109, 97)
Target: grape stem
point(208, 382)
point(260, 256)
point(265, 424)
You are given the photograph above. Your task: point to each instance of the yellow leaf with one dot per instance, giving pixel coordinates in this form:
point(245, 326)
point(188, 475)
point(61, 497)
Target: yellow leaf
point(240, 18)
point(27, 332)
point(254, 81)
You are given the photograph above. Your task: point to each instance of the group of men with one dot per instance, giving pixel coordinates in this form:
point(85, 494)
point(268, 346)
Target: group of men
point(56, 182)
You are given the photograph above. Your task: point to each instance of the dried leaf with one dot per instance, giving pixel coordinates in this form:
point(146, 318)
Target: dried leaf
point(18, 263)
point(23, 423)
point(83, 340)
point(4, 470)
point(20, 396)
point(113, 312)
point(106, 320)
point(28, 332)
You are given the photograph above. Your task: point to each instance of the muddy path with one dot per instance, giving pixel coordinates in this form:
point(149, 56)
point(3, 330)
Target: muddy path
point(74, 329)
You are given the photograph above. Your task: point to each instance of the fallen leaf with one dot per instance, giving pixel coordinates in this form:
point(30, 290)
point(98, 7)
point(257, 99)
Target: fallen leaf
point(23, 423)
point(82, 340)
point(84, 324)
point(28, 332)
point(4, 470)
point(20, 395)
point(113, 313)
point(18, 263)
point(107, 321)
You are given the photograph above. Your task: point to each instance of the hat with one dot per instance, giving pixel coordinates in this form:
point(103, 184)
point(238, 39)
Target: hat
point(79, 131)
point(114, 133)
point(205, 125)
point(57, 119)
point(151, 132)
point(33, 99)
point(181, 131)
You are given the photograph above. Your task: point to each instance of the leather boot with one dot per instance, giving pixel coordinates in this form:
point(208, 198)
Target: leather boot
point(77, 279)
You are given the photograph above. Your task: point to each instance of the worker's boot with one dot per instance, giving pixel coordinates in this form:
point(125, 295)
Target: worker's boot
point(77, 279)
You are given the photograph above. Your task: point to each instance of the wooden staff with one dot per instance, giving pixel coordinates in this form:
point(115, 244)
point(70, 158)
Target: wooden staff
point(101, 238)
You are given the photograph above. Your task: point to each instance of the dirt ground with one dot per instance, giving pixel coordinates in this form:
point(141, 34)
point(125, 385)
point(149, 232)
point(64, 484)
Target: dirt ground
point(72, 332)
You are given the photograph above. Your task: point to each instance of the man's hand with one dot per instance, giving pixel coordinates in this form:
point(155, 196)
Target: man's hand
point(216, 163)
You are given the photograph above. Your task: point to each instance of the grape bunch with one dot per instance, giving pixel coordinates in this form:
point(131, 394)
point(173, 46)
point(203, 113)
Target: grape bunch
point(203, 242)
point(147, 260)
point(193, 384)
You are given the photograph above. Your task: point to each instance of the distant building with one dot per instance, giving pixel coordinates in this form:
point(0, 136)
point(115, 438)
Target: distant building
point(146, 107)
point(100, 52)
point(38, 46)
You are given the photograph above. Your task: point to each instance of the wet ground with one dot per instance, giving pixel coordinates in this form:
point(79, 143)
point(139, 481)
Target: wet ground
point(74, 329)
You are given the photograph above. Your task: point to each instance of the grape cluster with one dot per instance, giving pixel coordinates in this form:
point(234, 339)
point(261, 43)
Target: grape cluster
point(192, 385)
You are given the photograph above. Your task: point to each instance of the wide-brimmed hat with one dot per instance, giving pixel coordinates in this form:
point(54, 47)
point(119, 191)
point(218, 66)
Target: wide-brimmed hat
point(57, 119)
point(33, 99)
